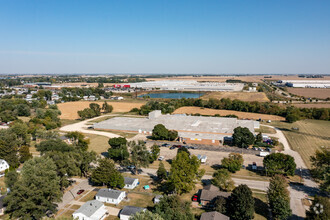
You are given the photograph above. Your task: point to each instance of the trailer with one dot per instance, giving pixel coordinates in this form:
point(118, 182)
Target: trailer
point(263, 154)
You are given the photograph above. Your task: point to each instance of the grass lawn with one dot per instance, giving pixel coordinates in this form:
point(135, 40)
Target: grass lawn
point(89, 196)
point(260, 206)
point(136, 199)
point(247, 174)
point(311, 136)
point(66, 215)
point(264, 129)
point(98, 143)
point(123, 134)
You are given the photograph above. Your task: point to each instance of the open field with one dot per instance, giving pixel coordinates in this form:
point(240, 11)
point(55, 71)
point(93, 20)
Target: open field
point(311, 136)
point(98, 143)
point(311, 92)
point(253, 78)
point(243, 96)
point(264, 129)
point(69, 109)
point(241, 115)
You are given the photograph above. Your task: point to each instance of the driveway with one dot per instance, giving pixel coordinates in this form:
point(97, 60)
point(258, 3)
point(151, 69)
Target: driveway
point(297, 193)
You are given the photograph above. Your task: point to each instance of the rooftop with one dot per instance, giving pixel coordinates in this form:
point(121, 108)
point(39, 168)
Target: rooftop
point(109, 193)
point(210, 192)
point(89, 208)
point(213, 216)
point(131, 210)
point(129, 181)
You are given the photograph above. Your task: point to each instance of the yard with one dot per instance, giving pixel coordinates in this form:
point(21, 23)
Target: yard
point(98, 143)
point(312, 135)
point(265, 129)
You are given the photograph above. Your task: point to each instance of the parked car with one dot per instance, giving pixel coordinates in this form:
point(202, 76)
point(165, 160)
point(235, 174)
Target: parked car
point(173, 147)
point(260, 149)
point(131, 167)
point(161, 158)
point(80, 191)
point(166, 145)
point(255, 148)
point(268, 149)
point(195, 198)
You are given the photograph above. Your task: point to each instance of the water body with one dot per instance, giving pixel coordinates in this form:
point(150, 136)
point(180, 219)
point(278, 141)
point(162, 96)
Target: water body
point(177, 95)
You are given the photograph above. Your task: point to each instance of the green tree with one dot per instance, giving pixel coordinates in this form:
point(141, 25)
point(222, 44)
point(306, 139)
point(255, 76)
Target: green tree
point(161, 172)
point(9, 147)
point(184, 173)
point(241, 203)
point(259, 138)
point(233, 162)
point(117, 142)
point(172, 135)
point(78, 140)
point(320, 209)
point(23, 110)
point(321, 168)
point(173, 208)
point(155, 150)
point(279, 163)
point(139, 154)
point(220, 204)
point(146, 215)
point(96, 108)
point(53, 145)
point(36, 192)
point(107, 174)
point(242, 137)
point(160, 132)
point(106, 107)
point(222, 179)
point(278, 197)
point(11, 178)
point(292, 117)
point(24, 154)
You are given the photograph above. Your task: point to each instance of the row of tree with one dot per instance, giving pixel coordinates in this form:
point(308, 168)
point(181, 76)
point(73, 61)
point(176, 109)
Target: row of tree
point(94, 110)
point(291, 113)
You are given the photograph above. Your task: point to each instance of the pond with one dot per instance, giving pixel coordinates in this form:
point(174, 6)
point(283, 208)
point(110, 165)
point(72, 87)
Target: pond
point(177, 95)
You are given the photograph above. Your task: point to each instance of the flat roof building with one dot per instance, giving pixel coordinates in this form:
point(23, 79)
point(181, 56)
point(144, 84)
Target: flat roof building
point(192, 129)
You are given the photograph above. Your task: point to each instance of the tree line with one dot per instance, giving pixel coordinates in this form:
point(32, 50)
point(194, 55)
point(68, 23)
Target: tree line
point(291, 113)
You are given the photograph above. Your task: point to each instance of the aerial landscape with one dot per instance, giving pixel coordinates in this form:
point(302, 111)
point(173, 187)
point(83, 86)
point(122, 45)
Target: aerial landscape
point(165, 110)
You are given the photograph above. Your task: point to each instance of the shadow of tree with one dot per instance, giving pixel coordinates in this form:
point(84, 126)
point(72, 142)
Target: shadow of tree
point(261, 208)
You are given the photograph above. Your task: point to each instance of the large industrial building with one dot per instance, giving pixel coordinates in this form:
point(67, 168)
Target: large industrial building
point(188, 85)
point(191, 129)
point(306, 83)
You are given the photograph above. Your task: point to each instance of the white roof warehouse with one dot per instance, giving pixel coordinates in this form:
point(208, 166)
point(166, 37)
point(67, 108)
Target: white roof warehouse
point(192, 129)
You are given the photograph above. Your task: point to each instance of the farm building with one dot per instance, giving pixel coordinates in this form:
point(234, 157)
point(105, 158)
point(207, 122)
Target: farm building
point(188, 85)
point(191, 129)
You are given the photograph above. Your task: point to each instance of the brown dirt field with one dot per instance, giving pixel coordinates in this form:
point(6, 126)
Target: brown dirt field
point(241, 115)
point(311, 92)
point(243, 96)
point(258, 78)
point(69, 109)
point(312, 105)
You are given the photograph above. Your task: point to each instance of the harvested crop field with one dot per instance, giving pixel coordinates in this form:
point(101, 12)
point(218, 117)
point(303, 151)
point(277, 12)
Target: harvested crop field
point(311, 136)
point(311, 92)
point(243, 96)
point(69, 109)
point(241, 115)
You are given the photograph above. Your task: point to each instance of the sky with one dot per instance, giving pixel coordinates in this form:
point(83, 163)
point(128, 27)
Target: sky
point(163, 36)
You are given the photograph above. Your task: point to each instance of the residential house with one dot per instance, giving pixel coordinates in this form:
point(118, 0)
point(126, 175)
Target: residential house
point(66, 139)
point(3, 165)
point(213, 216)
point(91, 210)
point(130, 183)
point(129, 211)
point(110, 196)
point(209, 193)
point(157, 198)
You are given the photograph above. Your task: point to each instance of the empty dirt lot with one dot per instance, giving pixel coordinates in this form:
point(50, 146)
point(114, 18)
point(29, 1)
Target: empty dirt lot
point(241, 115)
point(311, 92)
point(69, 109)
point(243, 96)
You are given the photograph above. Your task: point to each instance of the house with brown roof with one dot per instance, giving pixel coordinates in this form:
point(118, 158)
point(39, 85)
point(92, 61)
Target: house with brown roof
point(209, 193)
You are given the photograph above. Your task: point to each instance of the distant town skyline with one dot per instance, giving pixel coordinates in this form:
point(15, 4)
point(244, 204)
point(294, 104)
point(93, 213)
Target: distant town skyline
point(155, 37)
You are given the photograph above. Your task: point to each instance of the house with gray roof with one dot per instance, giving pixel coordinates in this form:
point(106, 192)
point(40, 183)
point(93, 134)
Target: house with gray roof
point(91, 210)
point(111, 196)
point(129, 211)
point(213, 216)
point(130, 183)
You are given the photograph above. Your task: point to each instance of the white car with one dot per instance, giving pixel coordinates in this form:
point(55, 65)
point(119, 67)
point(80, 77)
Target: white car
point(161, 158)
